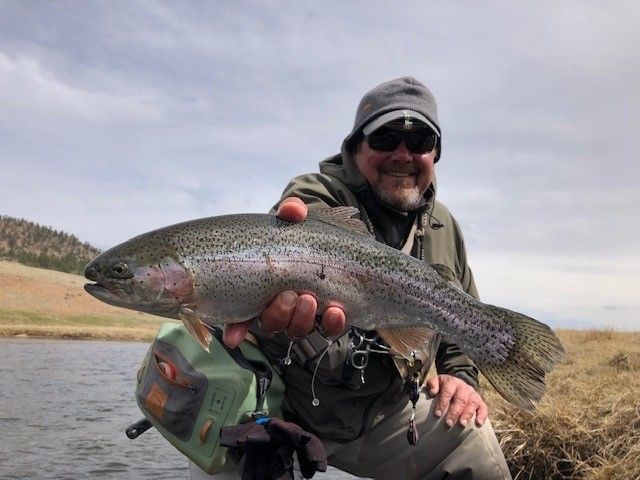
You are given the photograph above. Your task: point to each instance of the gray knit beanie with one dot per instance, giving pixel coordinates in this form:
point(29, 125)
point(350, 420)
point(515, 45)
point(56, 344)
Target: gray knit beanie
point(403, 97)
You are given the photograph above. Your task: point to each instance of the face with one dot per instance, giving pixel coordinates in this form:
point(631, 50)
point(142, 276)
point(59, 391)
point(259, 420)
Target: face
point(398, 178)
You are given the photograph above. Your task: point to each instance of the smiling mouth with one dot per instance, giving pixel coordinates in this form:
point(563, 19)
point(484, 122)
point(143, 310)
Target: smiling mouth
point(399, 174)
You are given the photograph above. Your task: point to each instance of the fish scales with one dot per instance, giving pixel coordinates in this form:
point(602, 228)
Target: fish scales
point(227, 269)
point(241, 262)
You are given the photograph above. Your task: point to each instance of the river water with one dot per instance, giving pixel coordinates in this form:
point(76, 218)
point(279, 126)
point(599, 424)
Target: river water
point(64, 406)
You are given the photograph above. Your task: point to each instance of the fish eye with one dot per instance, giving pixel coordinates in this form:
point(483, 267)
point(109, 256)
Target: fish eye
point(120, 270)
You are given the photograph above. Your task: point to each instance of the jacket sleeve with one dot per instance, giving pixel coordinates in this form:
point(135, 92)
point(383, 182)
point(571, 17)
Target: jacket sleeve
point(450, 359)
point(317, 189)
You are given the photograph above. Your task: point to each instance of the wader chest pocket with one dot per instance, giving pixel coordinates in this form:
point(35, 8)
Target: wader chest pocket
point(189, 394)
point(172, 391)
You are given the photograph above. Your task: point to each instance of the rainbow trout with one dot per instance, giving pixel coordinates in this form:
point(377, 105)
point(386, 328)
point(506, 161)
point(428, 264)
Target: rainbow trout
point(227, 269)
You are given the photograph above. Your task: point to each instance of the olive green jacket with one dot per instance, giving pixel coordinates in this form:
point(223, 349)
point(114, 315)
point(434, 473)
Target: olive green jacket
point(348, 405)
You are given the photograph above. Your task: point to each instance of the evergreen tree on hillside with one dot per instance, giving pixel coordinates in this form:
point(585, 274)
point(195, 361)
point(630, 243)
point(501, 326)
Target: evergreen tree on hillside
point(40, 246)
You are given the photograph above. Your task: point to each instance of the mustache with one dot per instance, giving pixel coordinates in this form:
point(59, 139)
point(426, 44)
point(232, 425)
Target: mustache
point(405, 168)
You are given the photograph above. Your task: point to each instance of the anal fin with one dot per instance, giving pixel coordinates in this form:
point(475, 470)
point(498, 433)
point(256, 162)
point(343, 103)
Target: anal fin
point(196, 327)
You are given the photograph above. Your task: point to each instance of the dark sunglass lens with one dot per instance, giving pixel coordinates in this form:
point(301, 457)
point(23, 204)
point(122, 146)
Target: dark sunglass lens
point(420, 142)
point(384, 140)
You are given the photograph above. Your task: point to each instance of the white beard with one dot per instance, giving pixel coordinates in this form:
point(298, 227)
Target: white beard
point(404, 200)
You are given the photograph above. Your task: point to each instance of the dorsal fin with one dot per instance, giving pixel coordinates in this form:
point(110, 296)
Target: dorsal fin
point(341, 217)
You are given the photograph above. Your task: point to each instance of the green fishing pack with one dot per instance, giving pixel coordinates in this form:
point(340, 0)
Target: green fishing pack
point(189, 394)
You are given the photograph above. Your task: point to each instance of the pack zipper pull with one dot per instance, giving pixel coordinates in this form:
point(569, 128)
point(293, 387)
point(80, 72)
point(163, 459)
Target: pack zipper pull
point(413, 437)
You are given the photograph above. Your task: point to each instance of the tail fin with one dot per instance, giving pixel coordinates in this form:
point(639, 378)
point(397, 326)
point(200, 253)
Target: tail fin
point(520, 378)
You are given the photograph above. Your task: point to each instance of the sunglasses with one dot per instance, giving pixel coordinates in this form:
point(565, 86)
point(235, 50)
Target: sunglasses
point(386, 140)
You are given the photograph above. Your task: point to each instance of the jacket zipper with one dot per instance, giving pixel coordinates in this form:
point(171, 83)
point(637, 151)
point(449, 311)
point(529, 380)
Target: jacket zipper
point(368, 409)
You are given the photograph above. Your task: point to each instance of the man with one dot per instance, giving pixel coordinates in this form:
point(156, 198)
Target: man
point(356, 399)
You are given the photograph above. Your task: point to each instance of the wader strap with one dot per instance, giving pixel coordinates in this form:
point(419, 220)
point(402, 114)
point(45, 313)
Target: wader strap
point(260, 369)
point(309, 347)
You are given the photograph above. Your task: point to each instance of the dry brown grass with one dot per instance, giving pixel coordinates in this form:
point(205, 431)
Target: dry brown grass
point(588, 424)
point(38, 302)
point(586, 427)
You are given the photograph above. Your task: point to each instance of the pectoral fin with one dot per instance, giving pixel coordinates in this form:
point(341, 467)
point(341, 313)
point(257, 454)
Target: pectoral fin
point(410, 343)
point(196, 327)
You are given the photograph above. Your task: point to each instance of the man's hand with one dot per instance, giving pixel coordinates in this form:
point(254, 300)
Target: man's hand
point(458, 399)
point(289, 311)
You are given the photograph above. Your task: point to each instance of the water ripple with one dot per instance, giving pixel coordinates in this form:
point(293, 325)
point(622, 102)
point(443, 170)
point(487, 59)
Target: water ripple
point(68, 422)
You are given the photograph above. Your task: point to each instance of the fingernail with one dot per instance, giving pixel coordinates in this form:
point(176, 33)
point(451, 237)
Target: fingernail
point(481, 422)
point(463, 422)
point(305, 305)
point(289, 298)
point(432, 393)
point(332, 317)
point(438, 413)
point(449, 422)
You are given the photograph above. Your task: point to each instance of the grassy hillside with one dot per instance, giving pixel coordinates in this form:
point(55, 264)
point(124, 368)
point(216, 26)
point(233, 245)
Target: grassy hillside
point(33, 244)
point(586, 427)
point(40, 302)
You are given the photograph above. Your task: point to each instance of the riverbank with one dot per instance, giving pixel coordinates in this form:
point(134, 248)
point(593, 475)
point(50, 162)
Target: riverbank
point(587, 425)
point(28, 324)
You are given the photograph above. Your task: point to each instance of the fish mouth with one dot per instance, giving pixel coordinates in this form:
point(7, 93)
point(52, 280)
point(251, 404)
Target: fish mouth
point(102, 293)
point(106, 295)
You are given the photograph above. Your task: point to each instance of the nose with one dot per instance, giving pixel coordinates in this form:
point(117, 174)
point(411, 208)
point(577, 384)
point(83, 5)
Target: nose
point(402, 152)
point(91, 271)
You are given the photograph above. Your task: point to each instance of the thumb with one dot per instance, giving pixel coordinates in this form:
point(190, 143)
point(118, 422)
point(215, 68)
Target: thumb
point(433, 386)
point(234, 334)
point(292, 209)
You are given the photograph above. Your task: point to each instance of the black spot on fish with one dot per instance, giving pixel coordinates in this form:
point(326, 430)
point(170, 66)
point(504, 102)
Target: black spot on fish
point(321, 275)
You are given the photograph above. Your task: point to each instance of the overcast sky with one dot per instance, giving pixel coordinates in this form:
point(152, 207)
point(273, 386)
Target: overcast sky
point(117, 117)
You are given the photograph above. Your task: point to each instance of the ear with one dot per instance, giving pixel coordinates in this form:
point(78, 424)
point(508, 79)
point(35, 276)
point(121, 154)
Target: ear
point(437, 157)
point(356, 144)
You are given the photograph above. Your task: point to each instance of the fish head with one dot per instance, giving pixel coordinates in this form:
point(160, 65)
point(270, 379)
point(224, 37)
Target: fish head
point(142, 276)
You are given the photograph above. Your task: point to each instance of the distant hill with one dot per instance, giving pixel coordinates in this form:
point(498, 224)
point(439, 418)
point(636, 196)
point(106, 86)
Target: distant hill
point(37, 245)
